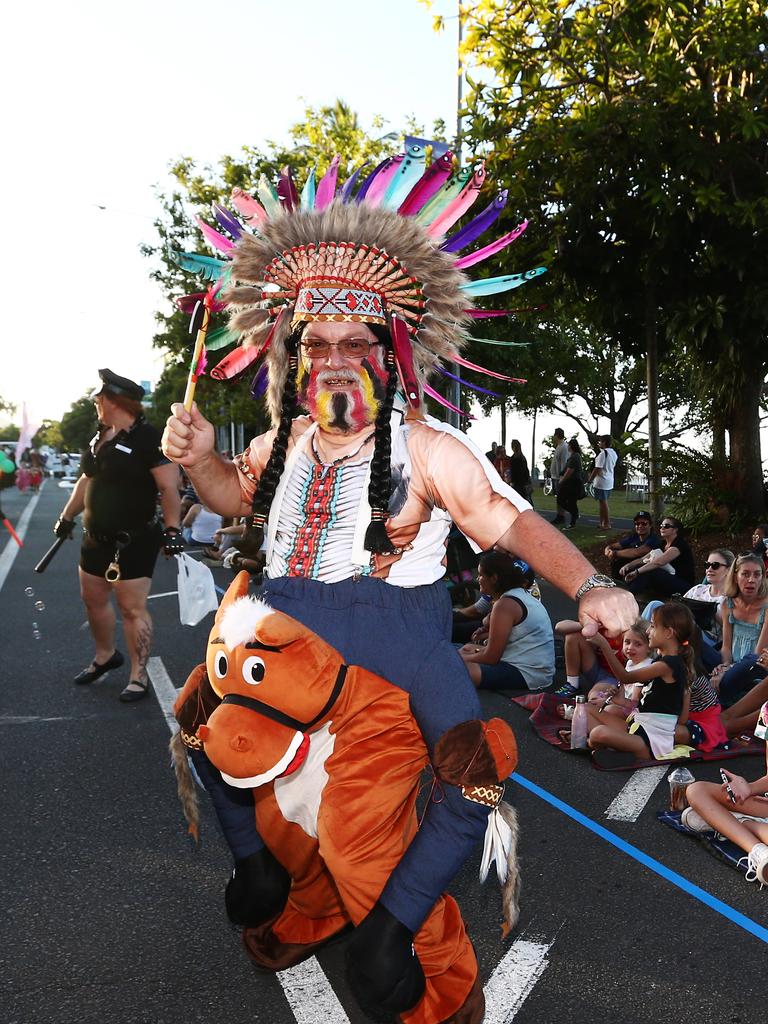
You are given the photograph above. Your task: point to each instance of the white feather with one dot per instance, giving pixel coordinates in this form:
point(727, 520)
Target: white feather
point(239, 621)
point(498, 843)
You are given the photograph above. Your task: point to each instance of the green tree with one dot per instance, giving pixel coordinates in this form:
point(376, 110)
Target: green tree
point(78, 425)
point(7, 407)
point(635, 131)
point(48, 434)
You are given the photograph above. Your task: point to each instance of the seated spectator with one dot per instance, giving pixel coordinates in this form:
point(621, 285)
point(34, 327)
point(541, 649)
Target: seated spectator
point(200, 524)
point(760, 542)
point(519, 651)
point(664, 573)
point(188, 496)
point(584, 661)
point(745, 629)
point(703, 728)
point(741, 717)
point(738, 815)
point(633, 545)
point(471, 622)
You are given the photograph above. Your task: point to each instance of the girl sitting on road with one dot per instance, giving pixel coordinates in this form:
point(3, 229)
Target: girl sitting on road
point(519, 651)
point(650, 731)
point(740, 815)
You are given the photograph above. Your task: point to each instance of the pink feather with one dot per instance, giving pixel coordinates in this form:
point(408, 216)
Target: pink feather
point(214, 237)
point(481, 369)
point(326, 188)
point(490, 250)
point(444, 401)
point(445, 221)
point(380, 183)
point(252, 211)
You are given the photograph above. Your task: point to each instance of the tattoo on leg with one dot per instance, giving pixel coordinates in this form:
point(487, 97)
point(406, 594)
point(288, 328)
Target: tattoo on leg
point(143, 646)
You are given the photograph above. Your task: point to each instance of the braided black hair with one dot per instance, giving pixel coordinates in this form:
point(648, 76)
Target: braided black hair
point(380, 488)
point(253, 537)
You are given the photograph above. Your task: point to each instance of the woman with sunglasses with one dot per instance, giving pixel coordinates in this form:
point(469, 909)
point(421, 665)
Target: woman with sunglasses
point(670, 571)
point(745, 629)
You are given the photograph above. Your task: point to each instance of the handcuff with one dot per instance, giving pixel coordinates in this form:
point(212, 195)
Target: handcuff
point(113, 574)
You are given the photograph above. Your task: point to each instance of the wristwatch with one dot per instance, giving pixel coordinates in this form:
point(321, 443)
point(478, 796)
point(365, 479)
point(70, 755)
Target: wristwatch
point(592, 582)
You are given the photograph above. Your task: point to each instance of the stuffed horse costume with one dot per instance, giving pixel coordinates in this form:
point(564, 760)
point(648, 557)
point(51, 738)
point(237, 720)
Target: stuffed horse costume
point(333, 759)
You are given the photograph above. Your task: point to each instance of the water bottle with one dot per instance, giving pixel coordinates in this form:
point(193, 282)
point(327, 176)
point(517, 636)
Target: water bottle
point(679, 781)
point(579, 724)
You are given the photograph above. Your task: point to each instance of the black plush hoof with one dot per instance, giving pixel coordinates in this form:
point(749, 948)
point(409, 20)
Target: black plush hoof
point(257, 890)
point(383, 970)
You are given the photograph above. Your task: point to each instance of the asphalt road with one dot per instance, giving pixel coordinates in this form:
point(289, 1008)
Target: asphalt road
point(111, 915)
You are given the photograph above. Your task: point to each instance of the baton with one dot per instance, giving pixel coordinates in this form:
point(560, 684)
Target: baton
point(42, 565)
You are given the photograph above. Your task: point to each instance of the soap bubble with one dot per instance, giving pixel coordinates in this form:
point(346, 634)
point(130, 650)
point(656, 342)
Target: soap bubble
point(40, 605)
point(36, 634)
point(35, 626)
point(29, 592)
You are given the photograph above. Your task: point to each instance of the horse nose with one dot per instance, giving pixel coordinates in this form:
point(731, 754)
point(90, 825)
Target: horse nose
point(240, 743)
point(203, 733)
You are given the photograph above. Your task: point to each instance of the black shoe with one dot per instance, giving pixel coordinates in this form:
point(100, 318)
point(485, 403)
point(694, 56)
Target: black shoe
point(130, 696)
point(557, 520)
point(90, 675)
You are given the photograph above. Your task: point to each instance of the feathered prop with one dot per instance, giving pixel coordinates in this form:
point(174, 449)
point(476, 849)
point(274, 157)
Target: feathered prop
point(208, 267)
point(500, 847)
point(200, 320)
point(401, 344)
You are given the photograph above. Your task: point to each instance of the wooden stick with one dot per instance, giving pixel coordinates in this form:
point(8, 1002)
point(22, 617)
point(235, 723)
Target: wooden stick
point(189, 394)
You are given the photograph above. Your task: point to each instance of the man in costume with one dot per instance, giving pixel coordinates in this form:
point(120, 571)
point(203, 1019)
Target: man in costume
point(355, 301)
point(122, 473)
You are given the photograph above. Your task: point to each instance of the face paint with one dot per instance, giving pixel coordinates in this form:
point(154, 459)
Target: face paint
point(348, 408)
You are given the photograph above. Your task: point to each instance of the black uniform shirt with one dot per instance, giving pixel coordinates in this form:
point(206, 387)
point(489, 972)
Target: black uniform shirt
point(121, 493)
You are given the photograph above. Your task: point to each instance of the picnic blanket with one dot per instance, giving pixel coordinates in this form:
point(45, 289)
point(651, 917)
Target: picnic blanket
point(555, 730)
point(714, 843)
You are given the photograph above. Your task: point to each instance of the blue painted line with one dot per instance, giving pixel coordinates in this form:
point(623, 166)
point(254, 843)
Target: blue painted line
point(632, 851)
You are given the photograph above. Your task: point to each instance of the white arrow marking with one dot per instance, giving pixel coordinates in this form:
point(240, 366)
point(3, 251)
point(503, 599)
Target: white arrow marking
point(510, 984)
point(635, 794)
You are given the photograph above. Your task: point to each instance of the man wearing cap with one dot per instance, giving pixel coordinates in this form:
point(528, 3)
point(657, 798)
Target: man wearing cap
point(640, 542)
point(122, 472)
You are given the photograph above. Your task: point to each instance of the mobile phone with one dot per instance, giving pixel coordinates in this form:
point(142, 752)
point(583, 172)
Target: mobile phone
point(728, 790)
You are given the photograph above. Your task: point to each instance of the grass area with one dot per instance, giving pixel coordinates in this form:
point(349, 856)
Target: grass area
point(588, 536)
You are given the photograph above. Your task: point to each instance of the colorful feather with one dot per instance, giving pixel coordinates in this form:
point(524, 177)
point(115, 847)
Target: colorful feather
point(450, 190)
point(401, 344)
point(326, 189)
point(308, 192)
point(408, 173)
point(235, 363)
point(286, 190)
point(213, 237)
point(380, 184)
point(444, 401)
point(477, 226)
point(268, 196)
point(455, 210)
point(251, 210)
point(208, 266)
point(466, 384)
point(482, 369)
point(371, 178)
point(503, 344)
point(490, 250)
point(228, 220)
point(260, 381)
point(430, 183)
point(494, 285)
point(220, 339)
point(486, 314)
point(349, 184)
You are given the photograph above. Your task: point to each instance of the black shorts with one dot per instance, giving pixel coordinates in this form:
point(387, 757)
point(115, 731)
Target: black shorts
point(137, 559)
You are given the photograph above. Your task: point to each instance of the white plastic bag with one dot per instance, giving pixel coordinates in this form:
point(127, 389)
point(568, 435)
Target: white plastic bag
point(197, 592)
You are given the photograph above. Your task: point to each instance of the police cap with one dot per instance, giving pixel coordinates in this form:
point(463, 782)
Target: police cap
point(114, 384)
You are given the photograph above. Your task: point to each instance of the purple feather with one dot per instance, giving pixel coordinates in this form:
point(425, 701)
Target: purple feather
point(466, 384)
point(369, 180)
point(286, 190)
point(260, 381)
point(346, 192)
point(467, 235)
point(228, 220)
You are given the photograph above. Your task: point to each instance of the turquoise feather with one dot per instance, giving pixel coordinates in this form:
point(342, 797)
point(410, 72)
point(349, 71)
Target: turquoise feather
point(494, 285)
point(208, 266)
point(406, 177)
point(220, 339)
point(450, 190)
point(504, 344)
point(268, 196)
point(308, 192)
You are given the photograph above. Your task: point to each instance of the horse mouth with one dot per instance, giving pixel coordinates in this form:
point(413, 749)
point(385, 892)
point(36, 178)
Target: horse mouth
point(291, 760)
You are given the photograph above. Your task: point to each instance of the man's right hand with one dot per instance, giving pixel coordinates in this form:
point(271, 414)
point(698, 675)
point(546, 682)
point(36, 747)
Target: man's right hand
point(188, 438)
point(64, 527)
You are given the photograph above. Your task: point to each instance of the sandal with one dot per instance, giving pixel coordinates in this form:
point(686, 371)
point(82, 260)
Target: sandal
point(96, 671)
point(130, 696)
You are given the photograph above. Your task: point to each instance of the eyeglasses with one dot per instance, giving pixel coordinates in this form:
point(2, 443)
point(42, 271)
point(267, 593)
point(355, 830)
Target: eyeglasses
point(350, 348)
point(715, 565)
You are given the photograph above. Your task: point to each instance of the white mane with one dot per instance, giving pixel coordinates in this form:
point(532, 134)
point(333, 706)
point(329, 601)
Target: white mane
point(239, 621)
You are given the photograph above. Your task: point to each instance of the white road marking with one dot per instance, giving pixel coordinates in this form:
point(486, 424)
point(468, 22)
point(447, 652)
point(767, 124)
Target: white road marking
point(168, 593)
point(165, 691)
point(26, 719)
point(510, 984)
point(12, 549)
point(635, 794)
point(310, 995)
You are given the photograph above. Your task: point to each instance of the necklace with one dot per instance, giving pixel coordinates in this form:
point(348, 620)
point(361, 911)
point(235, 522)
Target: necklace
point(343, 458)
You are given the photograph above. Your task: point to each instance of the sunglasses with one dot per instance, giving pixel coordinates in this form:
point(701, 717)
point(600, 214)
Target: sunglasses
point(715, 565)
point(667, 526)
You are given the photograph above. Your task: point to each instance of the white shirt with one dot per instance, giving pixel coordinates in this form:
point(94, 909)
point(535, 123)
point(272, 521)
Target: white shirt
point(605, 463)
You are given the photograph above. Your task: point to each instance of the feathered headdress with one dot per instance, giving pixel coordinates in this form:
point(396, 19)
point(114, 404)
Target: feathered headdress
point(376, 255)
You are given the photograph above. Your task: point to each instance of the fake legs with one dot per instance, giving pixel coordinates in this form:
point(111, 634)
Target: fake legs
point(137, 625)
point(336, 881)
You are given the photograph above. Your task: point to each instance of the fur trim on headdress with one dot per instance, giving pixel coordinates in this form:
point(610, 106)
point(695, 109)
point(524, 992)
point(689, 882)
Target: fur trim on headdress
point(441, 330)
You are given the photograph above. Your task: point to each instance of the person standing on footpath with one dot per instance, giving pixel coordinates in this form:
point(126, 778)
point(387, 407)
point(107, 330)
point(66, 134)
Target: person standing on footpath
point(601, 478)
point(557, 468)
point(122, 473)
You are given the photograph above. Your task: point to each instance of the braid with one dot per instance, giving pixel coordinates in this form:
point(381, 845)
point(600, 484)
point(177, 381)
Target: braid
point(376, 537)
point(269, 479)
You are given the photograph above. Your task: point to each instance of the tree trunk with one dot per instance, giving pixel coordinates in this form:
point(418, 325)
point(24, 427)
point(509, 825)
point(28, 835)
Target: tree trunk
point(652, 377)
point(717, 422)
point(745, 460)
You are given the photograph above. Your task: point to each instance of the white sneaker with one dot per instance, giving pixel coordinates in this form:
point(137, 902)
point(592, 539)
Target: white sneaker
point(757, 864)
point(694, 821)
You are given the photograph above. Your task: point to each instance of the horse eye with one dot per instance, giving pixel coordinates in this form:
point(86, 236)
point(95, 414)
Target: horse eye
point(254, 670)
point(220, 664)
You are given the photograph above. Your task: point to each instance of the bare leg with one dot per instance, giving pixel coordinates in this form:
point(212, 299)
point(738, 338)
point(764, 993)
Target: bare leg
point(137, 624)
point(742, 716)
point(616, 737)
point(97, 598)
point(579, 654)
point(605, 515)
point(712, 803)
